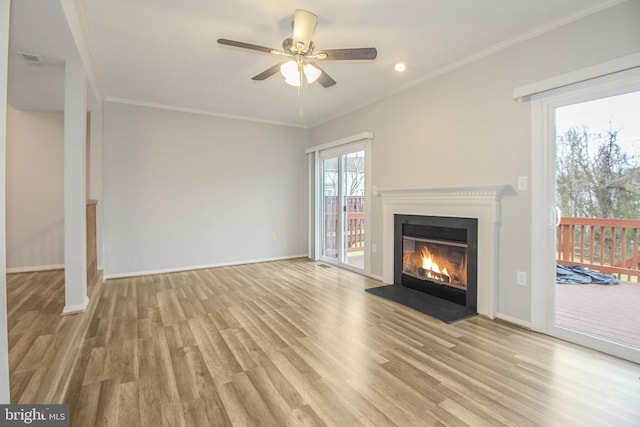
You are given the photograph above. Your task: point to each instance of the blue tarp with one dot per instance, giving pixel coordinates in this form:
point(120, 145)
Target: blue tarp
point(578, 275)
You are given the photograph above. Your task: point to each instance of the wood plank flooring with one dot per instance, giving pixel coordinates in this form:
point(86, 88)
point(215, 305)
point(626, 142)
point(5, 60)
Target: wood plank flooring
point(42, 343)
point(292, 343)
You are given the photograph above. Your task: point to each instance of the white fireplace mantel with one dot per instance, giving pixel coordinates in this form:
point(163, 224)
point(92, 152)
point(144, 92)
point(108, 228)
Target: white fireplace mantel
point(481, 202)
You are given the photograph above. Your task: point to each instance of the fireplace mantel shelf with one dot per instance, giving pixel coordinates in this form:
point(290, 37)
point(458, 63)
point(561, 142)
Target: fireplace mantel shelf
point(478, 191)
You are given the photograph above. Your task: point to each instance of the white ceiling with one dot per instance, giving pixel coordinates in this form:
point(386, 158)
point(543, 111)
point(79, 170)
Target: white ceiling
point(164, 52)
point(39, 27)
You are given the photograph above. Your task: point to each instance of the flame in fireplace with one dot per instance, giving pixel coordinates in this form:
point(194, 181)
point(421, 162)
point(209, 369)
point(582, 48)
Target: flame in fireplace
point(430, 265)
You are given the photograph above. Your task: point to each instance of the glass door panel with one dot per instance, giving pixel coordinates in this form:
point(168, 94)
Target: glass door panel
point(342, 201)
point(597, 187)
point(353, 187)
point(330, 208)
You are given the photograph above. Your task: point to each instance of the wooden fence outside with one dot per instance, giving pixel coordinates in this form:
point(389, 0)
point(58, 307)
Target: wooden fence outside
point(606, 245)
point(354, 224)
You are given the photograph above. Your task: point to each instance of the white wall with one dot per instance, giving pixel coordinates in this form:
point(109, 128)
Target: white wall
point(184, 190)
point(4, 62)
point(35, 193)
point(463, 128)
point(94, 174)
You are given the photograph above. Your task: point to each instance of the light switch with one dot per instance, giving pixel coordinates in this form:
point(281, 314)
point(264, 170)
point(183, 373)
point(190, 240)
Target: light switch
point(523, 183)
point(521, 278)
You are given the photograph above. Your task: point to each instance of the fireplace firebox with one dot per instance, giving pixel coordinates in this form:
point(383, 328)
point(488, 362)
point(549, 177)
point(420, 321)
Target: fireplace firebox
point(437, 255)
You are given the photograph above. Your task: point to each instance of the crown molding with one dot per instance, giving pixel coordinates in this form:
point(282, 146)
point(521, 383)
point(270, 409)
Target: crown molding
point(538, 31)
point(158, 106)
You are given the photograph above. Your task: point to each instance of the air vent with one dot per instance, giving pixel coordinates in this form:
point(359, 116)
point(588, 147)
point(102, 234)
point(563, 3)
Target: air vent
point(32, 58)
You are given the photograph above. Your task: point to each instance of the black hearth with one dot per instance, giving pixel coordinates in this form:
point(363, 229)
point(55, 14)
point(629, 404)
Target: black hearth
point(438, 256)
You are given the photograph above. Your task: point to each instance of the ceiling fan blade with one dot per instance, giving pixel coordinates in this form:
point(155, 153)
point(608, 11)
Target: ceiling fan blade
point(324, 79)
point(347, 54)
point(244, 45)
point(304, 25)
point(268, 72)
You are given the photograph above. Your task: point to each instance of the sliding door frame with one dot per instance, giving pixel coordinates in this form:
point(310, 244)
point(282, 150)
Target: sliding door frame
point(543, 240)
point(358, 142)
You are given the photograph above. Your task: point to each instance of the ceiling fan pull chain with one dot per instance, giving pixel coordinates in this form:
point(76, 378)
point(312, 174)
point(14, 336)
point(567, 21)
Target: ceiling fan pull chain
point(301, 76)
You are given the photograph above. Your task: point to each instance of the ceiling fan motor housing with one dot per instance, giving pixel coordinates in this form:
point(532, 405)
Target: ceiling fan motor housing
point(289, 47)
point(304, 25)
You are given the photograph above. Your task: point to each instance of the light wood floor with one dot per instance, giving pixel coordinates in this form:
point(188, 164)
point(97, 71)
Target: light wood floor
point(293, 343)
point(42, 343)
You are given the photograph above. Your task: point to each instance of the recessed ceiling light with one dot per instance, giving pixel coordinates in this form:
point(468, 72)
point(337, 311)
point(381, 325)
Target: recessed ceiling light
point(400, 67)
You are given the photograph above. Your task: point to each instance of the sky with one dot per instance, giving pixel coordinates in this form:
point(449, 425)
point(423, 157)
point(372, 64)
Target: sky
point(623, 111)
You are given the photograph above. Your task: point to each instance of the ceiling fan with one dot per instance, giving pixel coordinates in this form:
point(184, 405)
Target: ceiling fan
point(300, 50)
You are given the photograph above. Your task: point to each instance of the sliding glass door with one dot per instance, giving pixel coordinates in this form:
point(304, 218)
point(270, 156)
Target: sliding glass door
point(598, 190)
point(586, 197)
point(342, 202)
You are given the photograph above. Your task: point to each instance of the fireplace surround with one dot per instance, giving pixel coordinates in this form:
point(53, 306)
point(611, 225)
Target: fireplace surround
point(438, 256)
point(481, 202)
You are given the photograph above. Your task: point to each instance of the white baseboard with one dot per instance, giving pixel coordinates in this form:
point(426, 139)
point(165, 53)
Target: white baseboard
point(197, 267)
point(35, 268)
point(515, 321)
point(374, 276)
point(78, 308)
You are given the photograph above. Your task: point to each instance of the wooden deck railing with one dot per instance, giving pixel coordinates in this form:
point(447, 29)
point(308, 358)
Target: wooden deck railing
point(606, 245)
point(354, 224)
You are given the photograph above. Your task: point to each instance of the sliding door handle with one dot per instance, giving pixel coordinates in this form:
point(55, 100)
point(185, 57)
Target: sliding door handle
point(556, 214)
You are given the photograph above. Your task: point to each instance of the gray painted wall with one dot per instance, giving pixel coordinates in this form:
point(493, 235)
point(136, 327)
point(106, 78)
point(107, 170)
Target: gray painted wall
point(184, 190)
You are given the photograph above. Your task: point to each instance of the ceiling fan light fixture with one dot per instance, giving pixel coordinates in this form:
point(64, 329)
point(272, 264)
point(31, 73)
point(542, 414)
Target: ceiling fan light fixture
point(291, 73)
point(311, 73)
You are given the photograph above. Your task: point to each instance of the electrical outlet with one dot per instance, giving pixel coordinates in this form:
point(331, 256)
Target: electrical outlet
point(521, 278)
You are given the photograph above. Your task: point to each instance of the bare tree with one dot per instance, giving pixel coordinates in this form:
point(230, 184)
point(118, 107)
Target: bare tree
point(354, 166)
point(595, 177)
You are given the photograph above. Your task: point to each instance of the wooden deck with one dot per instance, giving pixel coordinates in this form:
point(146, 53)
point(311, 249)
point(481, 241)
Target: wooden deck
point(607, 311)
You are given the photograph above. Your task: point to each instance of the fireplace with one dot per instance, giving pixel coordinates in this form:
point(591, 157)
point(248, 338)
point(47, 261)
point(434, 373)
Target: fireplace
point(480, 202)
point(437, 255)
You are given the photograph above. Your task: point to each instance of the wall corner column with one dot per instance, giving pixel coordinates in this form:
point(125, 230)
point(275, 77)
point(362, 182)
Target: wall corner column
point(75, 193)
